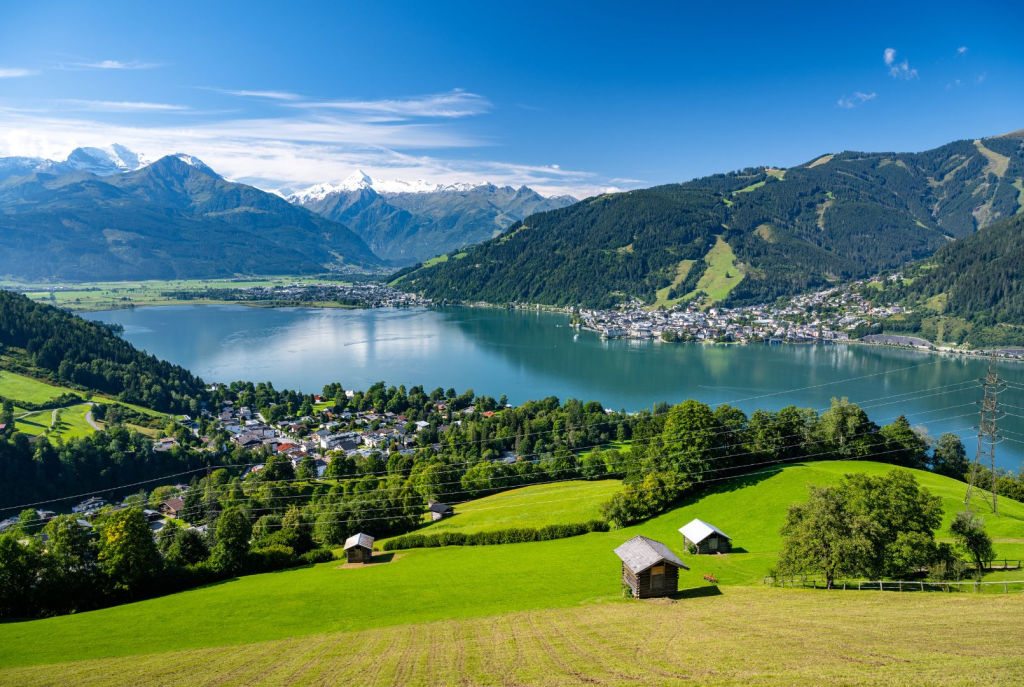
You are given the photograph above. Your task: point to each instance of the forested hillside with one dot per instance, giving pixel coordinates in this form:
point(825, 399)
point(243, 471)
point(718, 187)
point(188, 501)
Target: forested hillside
point(173, 219)
point(838, 217)
point(581, 254)
point(971, 291)
point(86, 354)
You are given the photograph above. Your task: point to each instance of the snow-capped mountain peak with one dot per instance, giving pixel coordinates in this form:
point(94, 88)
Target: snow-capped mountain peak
point(356, 181)
point(360, 180)
point(112, 159)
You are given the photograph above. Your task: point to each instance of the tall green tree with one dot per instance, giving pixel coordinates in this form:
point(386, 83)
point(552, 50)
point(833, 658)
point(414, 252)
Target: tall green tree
point(233, 534)
point(969, 533)
point(19, 565)
point(128, 555)
point(950, 457)
point(904, 446)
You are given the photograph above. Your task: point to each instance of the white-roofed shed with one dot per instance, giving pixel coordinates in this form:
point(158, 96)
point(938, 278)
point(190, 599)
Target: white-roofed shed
point(703, 537)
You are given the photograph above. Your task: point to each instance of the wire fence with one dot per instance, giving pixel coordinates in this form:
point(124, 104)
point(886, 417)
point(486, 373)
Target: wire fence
point(801, 582)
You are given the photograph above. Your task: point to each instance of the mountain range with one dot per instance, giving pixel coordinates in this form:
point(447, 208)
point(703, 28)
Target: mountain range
point(174, 218)
point(406, 222)
point(746, 236)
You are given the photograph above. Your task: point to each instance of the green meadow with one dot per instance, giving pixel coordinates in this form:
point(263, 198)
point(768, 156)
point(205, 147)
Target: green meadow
point(459, 583)
point(535, 506)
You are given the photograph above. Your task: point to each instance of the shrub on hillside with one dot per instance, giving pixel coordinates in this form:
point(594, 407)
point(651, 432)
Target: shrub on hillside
point(318, 556)
point(517, 535)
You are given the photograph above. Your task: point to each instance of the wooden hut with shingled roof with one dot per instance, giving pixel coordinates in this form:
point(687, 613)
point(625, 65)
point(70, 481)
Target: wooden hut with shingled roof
point(649, 568)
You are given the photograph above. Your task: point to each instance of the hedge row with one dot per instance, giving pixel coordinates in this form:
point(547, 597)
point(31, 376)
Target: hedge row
point(516, 535)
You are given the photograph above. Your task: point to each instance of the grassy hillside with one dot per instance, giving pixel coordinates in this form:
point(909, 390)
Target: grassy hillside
point(534, 506)
point(758, 636)
point(72, 421)
point(417, 586)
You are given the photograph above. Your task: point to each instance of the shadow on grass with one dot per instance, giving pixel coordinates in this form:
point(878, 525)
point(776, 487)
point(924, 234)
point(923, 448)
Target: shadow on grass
point(697, 593)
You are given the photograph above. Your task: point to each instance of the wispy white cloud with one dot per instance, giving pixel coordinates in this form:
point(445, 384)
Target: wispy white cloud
point(898, 70)
point(858, 98)
point(116, 64)
point(123, 106)
point(265, 95)
point(981, 77)
point(961, 50)
point(454, 104)
point(15, 72)
point(955, 83)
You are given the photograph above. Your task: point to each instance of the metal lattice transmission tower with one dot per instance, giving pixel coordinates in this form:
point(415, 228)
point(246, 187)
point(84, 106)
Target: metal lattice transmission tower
point(987, 437)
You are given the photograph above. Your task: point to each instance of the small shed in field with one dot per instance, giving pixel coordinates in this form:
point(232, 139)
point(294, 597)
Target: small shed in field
point(439, 511)
point(649, 567)
point(705, 537)
point(359, 548)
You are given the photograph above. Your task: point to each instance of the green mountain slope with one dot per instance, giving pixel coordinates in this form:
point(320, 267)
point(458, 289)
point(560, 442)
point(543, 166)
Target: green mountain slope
point(841, 216)
point(175, 218)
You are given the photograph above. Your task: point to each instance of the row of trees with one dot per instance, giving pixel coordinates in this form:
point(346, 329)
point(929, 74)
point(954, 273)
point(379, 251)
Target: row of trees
point(81, 568)
point(675, 452)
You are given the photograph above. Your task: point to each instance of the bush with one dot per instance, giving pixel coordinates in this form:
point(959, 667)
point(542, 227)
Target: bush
point(517, 535)
point(318, 556)
point(271, 558)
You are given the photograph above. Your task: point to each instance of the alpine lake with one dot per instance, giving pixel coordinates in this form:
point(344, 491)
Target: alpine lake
point(530, 355)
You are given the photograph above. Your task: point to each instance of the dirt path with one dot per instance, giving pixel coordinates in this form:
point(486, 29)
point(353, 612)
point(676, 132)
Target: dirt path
point(88, 417)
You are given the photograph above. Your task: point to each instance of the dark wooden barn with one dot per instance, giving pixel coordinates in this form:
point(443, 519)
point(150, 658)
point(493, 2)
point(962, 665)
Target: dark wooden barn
point(649, 567)
point(439, 511)
point(705, 537)
point(359, 548)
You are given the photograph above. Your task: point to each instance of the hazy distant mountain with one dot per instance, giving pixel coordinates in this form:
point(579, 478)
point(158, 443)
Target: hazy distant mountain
point(774, 232)
point(112, 159)
point(174, 218)
point(407, 222)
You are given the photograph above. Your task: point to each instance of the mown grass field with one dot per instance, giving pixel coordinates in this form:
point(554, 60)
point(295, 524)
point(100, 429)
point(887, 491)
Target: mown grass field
point(536, 506)
point(740, 636)
point(463, 583)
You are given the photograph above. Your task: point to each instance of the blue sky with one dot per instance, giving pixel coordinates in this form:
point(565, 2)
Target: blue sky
point(564, 97)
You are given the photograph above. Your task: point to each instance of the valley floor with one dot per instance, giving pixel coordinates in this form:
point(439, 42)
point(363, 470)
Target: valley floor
point(732, 635)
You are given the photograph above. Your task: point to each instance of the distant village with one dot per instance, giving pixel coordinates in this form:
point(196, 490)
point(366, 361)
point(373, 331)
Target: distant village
point(364, 295)
point(830, 315)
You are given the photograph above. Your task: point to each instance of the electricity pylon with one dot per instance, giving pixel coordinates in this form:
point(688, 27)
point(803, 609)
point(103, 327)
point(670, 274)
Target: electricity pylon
point(987, 436)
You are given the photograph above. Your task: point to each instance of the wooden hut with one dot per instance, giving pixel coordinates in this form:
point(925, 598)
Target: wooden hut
point(359, 548)
point(705, 537)
point(438, 511)
point(649, 568)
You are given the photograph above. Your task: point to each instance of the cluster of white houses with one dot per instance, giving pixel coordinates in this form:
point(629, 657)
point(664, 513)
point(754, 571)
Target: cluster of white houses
point(771, 323)
point(650, 569)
